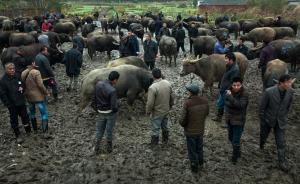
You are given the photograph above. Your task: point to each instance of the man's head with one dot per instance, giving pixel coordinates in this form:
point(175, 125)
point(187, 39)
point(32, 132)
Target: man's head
point(44, 50)
point(156, 73)
point(148, 36)
point(10, 69)
point(229, 58)
point(113, 77)
point(237, 84)
point(193, 24)
point(241, 40)
point(193, 89)
point(164, 24)
point(285, 82)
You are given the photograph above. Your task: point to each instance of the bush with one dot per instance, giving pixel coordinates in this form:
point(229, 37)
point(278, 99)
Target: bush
point(182, 5)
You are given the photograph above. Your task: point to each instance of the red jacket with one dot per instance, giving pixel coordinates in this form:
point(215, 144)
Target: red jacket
point(45, 27)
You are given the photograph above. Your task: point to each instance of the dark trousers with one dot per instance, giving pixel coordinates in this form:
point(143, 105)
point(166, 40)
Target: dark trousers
point(195, 148)
point(279, 137)
point(180, 45)
point(150, 64)
point(14, 112)
point(51, 83)
point(191, 45)
point(235, 133)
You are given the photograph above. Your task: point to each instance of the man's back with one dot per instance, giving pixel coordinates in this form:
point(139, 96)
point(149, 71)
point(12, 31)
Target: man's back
point(44, 66)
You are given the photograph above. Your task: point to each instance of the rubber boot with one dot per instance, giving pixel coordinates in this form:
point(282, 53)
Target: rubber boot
point(34, 125)
point(27, 128)
point(219, 115)
point(235, 154)
point(19, 140)
point(154, 141)
point(194, 167)
point(261, 144)
point(165, 137)
point(283, 163)
point(109, 147)
point(97, 147)
point(239, 153)
point(45, 126)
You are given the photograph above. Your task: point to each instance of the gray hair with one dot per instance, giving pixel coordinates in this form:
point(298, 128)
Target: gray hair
point(8, 64)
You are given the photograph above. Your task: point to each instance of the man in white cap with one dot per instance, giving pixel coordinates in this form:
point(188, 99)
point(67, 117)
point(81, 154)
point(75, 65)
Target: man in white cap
point(193, 115)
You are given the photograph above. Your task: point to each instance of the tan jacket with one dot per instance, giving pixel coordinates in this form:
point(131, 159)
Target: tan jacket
point(160, 98)
point(35, 90)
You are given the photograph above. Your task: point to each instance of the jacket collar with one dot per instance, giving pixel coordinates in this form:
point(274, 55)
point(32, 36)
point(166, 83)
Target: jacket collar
point(157, 80)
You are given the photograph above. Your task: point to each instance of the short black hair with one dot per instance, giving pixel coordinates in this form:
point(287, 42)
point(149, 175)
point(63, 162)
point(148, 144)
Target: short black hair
point(230, 56)
point(113, 75)
point(156, 73)
point(284, 78)
point(43, 48)
point(237, 79)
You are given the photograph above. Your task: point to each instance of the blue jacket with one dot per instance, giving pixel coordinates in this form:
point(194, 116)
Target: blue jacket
point(106, 96)
point(133, 45)
point(219, 49)
point(231, 72)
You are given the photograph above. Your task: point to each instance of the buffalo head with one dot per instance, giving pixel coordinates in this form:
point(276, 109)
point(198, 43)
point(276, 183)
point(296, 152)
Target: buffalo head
point(188, 66)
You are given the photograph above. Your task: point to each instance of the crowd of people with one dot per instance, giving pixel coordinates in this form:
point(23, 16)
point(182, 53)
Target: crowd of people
point(33, 86)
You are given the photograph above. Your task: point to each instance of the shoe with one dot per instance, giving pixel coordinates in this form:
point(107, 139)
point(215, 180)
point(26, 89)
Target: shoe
point(154, 141)
point(165, 137)
point(97, 147)
point(235, 154)
point(27, 128)
point(19, 140)
point(219, 115)
point(194, 167)
point(109, 147)
point(68, 89)
point(45, 126)
point(284, 166)
point(34, 125)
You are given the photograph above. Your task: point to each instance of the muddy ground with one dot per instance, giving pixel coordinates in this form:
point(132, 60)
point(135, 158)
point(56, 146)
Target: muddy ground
point(68, 157)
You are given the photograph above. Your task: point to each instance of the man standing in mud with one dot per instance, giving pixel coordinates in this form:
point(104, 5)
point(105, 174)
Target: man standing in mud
point(159, 102)
point(274, 107)
point(192, 118)
point(12, 96)
point(106, 104)
point(150, 51)
point(267, 54)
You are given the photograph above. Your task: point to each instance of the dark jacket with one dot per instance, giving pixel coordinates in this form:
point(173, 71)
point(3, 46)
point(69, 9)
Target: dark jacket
point(193, 32)
point(242, 49)
point(236, 107)
point(106, 96)
point(273, 109)
point(180, 35)
point(80, 43)
point(12, 91)
point(124, 48)
point(158, 24)
point(267, 54)
point(150, 50)
point(231, 72)
point(194, 113)
point(133, 45)
point(44, 66)
point(73, 62)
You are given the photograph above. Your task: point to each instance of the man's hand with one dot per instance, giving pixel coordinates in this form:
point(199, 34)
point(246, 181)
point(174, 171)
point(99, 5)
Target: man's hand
point(228, 92)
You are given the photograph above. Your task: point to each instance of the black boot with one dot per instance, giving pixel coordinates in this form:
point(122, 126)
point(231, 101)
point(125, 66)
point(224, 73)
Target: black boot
point(109, 147)
point(239, 153)
point(235, 154)
point(34, 125)
point(194, 167)
point(219, 115)
point(154, 141)
point(165, 137)
point(19, 140)
point(283, 163)
point(27, 128)
point(45, 126)
point(97, 147)
point(261, 144)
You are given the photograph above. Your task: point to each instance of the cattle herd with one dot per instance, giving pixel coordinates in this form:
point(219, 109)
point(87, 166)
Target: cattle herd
point(136, 78)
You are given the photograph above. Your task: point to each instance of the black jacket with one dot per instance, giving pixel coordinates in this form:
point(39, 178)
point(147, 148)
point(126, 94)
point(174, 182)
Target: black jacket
point(19, 62)
point(105, 96)
point(180, 35)
point(133, 45)
point(273, 109)
point(242, 49)
point(44, 66)
point(231, 72)
point(12, 91)
point(164, 31)
point(80, 43)
point(193, 32)
point(73, 62)
point(150, 50)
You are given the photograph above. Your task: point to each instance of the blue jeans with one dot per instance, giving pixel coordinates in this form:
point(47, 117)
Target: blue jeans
point(235, 133)
point(42, 108)
point(105, 122)
point(220, 100)
point(159, 122)
point(195, 148)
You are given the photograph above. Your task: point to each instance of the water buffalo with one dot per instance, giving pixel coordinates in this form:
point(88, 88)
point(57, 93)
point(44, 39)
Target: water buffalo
point(247, 25)
point(275, 69)
point(2, 18)
point(266, 21)
point(66, 27)
point(220, 19)
point(8, 25)
point(133, 81)
point(130, 60)
point(4, 39)
point(282, 32)
point(30, 51)
point(112, 24)
point(261, 34)
point(221, 34)
point(137, 29)
point(232, 27)
point(101, 43)
point(212, 68)
point(284, 22)
point(56, 39)
point(18, 39)
point(86, 29)
point(204, 45)
point(145, 22)
point(168, 48)
point(204, 32)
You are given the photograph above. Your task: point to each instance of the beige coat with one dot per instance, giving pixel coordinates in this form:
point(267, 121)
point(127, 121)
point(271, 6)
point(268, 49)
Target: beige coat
point(160, 98)
point(35, 90)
